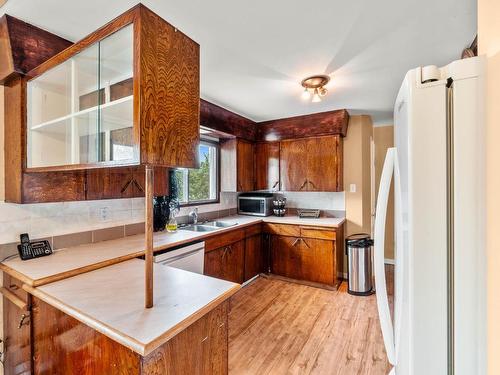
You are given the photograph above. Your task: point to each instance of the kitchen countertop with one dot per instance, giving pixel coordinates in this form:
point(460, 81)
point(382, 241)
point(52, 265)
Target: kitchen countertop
point(114, 306)
point(64, 263)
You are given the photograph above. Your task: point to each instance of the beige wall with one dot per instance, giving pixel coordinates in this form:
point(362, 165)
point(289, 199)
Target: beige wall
point(489, 45)
point(383, 137)
point(357, 171)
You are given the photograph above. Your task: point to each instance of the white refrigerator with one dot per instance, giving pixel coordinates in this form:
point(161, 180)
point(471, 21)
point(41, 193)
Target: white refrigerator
point(437, 167)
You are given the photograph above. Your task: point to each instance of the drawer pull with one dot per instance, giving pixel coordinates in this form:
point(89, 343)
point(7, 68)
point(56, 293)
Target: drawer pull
point(205, 339)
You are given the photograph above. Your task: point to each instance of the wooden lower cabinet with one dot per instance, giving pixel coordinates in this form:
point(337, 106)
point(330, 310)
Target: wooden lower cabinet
point(255, 256)
point(200, 349)
point(226, 262)
point(16, 331)
point(307, 259)
point(63, 345)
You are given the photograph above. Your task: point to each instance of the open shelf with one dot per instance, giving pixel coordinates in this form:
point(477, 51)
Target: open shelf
point(102, 107)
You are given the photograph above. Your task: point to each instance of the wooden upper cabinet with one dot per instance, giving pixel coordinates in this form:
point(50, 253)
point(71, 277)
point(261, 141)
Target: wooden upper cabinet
point(267, 166)
point(324, 164)
point(293, 165)
point(312, 164)
point(127, 94)
point(237, 165)
point(123, 182)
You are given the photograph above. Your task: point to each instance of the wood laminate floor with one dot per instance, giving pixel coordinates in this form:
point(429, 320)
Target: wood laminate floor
point(277, 327)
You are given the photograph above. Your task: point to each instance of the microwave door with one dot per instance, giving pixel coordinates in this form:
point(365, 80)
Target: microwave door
point(251, 206)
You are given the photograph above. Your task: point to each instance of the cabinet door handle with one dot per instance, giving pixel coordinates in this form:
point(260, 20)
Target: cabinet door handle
point(125, 187)
point(295, 242)
point(138, 186)
point(204, 339)
point(305, 243)
point(314, 186)
point(303, 185)
point(275, 184)
point(22, 320)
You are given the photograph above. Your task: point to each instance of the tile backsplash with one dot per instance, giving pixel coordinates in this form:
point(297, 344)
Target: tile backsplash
point(55, 219)
point(333, 201)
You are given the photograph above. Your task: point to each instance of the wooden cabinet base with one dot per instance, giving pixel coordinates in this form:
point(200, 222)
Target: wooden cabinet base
point(63, 345)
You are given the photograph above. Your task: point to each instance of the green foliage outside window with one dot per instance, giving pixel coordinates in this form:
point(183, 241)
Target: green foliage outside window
point(199, 181)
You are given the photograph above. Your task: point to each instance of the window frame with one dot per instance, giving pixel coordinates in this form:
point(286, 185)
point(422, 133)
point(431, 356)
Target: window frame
point(189, 203)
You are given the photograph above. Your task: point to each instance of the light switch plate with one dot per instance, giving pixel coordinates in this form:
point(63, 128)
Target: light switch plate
point(352, 188)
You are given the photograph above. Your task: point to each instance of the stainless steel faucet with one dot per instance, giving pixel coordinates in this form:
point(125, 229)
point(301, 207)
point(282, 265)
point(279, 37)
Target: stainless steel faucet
point(194, 215)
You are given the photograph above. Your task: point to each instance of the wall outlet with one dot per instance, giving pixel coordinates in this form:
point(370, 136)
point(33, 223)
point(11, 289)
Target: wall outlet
point(352, 188)
point(104, 213)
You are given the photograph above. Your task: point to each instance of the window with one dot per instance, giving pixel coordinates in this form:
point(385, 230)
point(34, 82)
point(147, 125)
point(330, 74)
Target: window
point(199, 185)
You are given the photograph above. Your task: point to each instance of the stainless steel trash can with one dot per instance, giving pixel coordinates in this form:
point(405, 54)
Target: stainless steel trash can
point(360, 264)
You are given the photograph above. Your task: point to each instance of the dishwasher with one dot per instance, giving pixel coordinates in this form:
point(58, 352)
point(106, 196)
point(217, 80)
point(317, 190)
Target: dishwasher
point(189, 258)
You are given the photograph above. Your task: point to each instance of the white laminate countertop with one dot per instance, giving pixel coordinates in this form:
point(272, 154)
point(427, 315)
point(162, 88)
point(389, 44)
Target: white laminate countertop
point(111, 301)
point(331, 222)
point(75, 260)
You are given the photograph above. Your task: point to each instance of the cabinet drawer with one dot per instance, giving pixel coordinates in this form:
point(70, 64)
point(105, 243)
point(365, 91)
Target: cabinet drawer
point(253, 230)
point(15, 286)
point(320, 233)
point(224, 239)
point(282, 229)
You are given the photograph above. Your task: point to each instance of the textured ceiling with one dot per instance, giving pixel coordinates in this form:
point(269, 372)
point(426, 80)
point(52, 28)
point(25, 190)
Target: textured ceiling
point(255, 53)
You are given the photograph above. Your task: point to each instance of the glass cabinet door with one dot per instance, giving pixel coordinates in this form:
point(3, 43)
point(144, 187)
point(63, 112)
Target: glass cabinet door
point(116, 79)
point(81, 111)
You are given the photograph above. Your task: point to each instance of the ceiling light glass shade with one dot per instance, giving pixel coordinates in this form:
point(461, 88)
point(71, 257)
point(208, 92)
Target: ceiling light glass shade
point(316, 98)
point(323, 91)
point(306, 95)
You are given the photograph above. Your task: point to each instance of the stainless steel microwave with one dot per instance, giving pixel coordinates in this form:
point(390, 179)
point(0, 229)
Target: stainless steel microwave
point(255, 204)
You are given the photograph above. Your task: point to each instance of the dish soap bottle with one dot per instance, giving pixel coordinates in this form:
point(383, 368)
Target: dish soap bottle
point(172, 221)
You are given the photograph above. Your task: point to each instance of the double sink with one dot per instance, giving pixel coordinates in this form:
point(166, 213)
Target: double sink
point(208, 226)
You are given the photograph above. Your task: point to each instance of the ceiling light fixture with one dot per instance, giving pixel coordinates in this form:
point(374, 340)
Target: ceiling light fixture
point(314, 87)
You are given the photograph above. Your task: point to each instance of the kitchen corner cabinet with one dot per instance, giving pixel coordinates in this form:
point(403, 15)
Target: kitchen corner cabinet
point(237, 165)
point(267, 166)
point(311, 164)
point(127, 94)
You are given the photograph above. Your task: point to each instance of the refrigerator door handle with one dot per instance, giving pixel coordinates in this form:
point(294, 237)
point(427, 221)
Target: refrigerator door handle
point(401, 257)
point(379, 242)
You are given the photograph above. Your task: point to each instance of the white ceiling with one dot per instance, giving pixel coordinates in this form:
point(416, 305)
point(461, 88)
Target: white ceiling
point(255, 53)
